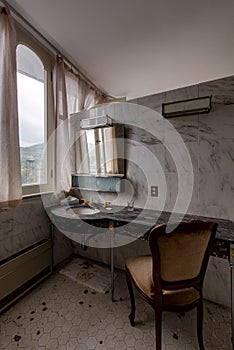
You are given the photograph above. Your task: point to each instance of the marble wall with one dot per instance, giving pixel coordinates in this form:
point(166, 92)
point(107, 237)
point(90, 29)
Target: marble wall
point(22, 226)
point(154, 151)
point(209, 139)
point(26, 224)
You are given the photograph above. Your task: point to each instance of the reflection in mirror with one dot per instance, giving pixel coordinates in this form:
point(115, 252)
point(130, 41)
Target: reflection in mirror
point(100, 151)
point(90, 141)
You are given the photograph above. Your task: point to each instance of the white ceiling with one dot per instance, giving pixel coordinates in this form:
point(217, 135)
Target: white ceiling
point(138, 47)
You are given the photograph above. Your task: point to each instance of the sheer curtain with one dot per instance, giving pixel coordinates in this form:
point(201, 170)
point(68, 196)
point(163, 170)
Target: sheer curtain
point(10, 174)
point(111, 150)
point(72, 94)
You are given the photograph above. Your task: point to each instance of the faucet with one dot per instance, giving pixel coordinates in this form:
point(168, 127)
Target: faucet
point(90, 203)
point(84, 201)
point(106, 204)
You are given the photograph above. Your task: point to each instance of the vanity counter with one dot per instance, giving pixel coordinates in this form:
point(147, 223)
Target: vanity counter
point(142, 219)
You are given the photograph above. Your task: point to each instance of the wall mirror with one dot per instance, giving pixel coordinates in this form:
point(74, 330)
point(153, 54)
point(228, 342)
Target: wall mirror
point(100, 151)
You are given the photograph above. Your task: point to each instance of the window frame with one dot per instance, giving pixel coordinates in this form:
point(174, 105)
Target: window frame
point(48, 61)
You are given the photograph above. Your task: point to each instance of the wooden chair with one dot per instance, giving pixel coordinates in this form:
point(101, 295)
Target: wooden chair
point(172, 278)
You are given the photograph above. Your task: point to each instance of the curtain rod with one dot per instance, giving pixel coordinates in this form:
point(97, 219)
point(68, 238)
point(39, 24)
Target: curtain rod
point(53, 47)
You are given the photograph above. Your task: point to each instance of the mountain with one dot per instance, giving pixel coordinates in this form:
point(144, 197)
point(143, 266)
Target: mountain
point(33, 164)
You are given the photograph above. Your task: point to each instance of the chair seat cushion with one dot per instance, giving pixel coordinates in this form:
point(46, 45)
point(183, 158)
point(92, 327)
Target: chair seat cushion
point(141, 269)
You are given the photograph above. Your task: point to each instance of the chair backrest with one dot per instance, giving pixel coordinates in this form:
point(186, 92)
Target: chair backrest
point(180, 257)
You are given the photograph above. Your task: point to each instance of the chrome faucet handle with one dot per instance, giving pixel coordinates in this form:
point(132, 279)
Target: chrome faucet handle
point(84, 201)
point(106, 204)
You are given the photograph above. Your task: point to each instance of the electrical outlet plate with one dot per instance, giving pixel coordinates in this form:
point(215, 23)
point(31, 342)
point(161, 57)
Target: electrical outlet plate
point(154, 191)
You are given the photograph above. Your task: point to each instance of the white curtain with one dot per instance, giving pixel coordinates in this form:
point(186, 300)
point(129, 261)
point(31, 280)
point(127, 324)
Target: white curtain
point(72, 94)
point(110, 144)
point(10, 174)
point(63, 160)
point(82, 158)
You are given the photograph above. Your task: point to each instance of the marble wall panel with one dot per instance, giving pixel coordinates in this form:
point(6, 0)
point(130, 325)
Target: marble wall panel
point(153, 164)
point(158, 151)
point(217, 283)
point(134, 100)
point(218, 124)
point(7, 247)
point(188, 173)
point(221, 90)
point(216, 181)
point(124, 113)
point(153, 101)
point(193, 151)
point(139, 185)
point(22, 226)
point(137, 174)
point(152, 122)
point(142, 123)
point(144, 168)
point(6, 223)
point(140, 135)
point(181, 94)
point(62, 247)
point(169, 162)
point(29, 215)
point(27, 224)
point(181, 129)
point(171, 191)
point(181, 173)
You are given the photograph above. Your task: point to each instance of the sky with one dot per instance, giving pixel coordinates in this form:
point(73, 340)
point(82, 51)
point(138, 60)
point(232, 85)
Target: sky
point(31, 110)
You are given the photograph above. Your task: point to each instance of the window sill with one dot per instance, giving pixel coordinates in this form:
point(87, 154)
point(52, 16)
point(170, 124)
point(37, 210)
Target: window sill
point(31, 195)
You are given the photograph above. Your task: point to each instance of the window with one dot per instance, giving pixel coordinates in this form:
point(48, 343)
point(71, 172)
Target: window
point(31, 87)
point(35, 116)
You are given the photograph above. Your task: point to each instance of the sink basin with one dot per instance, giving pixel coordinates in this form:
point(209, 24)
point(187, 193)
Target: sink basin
point(83, 211)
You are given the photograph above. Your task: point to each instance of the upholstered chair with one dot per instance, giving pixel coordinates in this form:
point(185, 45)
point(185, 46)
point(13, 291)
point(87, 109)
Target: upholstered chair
point(172, 277)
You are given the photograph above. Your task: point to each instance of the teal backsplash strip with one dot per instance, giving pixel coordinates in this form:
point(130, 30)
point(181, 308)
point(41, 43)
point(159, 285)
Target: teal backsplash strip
point(97, 183)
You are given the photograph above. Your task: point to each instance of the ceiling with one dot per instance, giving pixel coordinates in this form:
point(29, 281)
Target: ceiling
point(135, 48)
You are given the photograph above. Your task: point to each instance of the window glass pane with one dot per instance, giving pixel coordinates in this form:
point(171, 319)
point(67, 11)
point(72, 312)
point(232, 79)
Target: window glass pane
point(28, 63)
point(31, 85)
point(90, 135)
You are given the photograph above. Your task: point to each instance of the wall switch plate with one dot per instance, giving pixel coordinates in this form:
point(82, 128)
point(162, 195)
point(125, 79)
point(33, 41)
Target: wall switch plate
point(154, 191)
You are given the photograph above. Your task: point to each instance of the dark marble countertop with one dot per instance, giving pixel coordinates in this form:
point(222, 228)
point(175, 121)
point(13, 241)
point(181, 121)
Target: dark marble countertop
point(140, 218)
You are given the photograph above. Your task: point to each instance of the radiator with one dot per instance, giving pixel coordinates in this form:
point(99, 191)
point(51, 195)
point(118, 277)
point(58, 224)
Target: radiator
point(22, 271)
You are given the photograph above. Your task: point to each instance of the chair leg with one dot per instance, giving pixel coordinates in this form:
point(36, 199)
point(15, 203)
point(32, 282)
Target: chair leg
point(158, 327)
point(132, 299)
point(200, 325)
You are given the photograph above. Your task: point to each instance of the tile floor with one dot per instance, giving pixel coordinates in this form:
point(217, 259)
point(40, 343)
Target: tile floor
point(61, 314)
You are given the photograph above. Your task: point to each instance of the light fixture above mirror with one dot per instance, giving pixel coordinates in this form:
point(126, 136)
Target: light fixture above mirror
point(187, 107)
point(96, 122)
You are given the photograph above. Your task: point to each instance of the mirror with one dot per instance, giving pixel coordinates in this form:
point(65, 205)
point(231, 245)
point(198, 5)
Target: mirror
point(100, 151)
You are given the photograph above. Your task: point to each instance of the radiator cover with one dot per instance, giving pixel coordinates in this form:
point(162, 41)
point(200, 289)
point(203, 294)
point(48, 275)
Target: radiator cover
point(22, 271)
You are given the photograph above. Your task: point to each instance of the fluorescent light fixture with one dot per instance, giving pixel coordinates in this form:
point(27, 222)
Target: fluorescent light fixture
point(96, 122)
point(187, 107)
